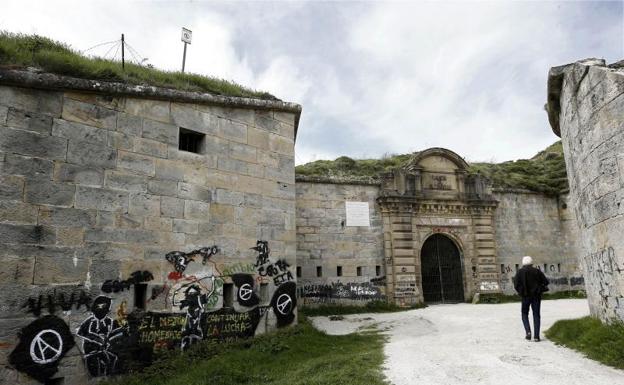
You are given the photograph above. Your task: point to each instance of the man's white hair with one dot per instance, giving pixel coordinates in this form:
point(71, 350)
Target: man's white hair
point(526, 260)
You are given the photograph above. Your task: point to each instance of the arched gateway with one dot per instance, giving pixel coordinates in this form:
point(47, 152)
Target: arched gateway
point(429, 206)
point(441, 270)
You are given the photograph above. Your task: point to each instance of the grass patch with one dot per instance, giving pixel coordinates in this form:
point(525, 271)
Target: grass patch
point(598, 341)
point(370, 307)
point(294, 356)
point(545, 172)
point(21, 51)
point(505, 298)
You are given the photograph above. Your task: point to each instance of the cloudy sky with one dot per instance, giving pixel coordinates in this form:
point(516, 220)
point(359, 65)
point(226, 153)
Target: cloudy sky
point(373, 78)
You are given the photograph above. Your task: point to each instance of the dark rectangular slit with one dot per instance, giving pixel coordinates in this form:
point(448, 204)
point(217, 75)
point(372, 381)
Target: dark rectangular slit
point(191, 141)
point(359, 271)
point(228, 295)
point(140, 296)
point(377, 270)
point(339, 271)
point(298, 271)
point(319, 271)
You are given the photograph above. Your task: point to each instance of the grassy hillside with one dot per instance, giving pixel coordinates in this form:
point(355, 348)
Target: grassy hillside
point(545, 172)
point(21, 51)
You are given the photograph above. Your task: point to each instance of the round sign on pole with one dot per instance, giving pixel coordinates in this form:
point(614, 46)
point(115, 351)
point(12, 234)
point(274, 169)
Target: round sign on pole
point(187, 35)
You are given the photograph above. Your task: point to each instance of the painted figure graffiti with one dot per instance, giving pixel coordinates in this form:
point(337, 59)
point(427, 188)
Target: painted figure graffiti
point(180, 260)
point(194, 303)
point(99, 333)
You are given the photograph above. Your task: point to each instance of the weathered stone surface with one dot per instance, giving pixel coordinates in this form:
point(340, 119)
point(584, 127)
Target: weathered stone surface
point(162, 132)
point(28, 120)
point(87, 176)
point(135, 162)
point(169, 169)
point(28, 234)
point(66, 217)
point(89, 114)
point(11, 187)
point(243, 152)
point(78, 131)
point(31, 144)
point(4, 111)
point(187, 116)
point(121, 180)
point(120, 141)
point(233, 131)
point(196, 210)
point(185, 226)
point(144, 204)
point(150, 109)
point(89, 154)
point(163, 187)
point(17, 270)
point(194, 192)
point(42, 102)
point(70, 236)
point(150, 147)
point(49, 193)
point(171, 207)
point(121, 236)
point(33, 168)
point(55, 270)
point(129, 124)
point(18, 212)
point(101, 199)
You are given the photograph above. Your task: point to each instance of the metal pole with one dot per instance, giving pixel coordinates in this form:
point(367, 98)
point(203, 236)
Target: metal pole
point(184, 58)
point(123, 61)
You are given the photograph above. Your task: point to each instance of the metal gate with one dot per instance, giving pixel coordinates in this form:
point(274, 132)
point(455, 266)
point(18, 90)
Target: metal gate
point(441, 270)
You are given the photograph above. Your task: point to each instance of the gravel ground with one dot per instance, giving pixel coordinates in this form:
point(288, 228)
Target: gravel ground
point(476, 344)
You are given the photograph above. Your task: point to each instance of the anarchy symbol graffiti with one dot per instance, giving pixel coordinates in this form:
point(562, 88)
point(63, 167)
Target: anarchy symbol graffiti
point(46, 347)
point(245, 292)
point(284, 304)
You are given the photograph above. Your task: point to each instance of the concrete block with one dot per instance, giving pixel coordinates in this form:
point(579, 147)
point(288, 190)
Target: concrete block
point(150, 147)
point(139, 163)
point(129, 124)
point(11, 187)
point(101, 199)
point(27, 120)
point(78, 131)
point(171, 207)
point(163, 187)
point(185, 226)
point(90, 114)
point(161, 132)
point(33, 168)
point(27, 234)
point(151, 109)
point(55, 270)
point(18, 212)
point(87, 176)
point(194, 192)
point(49, 193)
point(186, 116)
point(196, 210)
point(27, 99)
point(88, 154)
point(144, 205)
point(31, 144)
point(17, 270)
point(233, 131)
point(66, 217)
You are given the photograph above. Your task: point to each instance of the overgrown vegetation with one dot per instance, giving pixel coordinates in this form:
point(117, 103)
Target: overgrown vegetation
point(545, 172)
point(598, 341)
point(505, 298)
point(370, 307)
point(21, 51)
point(293, 356)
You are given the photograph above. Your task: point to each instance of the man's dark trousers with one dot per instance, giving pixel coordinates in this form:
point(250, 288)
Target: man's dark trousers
point(534, 303)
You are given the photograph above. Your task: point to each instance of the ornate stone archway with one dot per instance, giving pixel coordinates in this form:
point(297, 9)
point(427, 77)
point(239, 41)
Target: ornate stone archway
point(433, 193)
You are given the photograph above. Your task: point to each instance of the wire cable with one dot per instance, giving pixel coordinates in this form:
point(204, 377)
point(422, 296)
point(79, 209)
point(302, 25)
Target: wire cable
point(98, 45)
point(110, 49)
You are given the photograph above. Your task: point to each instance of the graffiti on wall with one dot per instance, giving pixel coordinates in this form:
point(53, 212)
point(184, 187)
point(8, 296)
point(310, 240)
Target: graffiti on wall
point(335, 291)
point(113, 339)
point(603, 271)
point(552, 272)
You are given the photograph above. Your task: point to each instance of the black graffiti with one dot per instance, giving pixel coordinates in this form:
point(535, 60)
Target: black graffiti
point(55, 300)
point(227, 325)
point(115, 286)
point(43, 343)
point(558, 281)
point(245, 295)
point(101, 339)
point(194, 302)
point(338, 290)
point(577, 281)
point(262, 247)
point(157, 290)
point(180, 260)
point(284, 303)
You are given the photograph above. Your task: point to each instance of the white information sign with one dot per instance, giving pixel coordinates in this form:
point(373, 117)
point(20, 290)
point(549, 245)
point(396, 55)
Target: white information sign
point(187, 35)
point(357, 214)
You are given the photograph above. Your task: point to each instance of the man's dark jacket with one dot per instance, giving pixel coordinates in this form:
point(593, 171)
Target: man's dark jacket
point(529, 281)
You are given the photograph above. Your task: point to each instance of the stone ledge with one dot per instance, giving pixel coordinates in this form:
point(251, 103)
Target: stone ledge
point(49, 81)
point(338, 180)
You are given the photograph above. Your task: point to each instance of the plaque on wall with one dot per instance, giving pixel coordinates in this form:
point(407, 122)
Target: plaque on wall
point(357, 214)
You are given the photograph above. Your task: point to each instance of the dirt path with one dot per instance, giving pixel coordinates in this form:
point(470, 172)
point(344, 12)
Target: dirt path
point(477, 344)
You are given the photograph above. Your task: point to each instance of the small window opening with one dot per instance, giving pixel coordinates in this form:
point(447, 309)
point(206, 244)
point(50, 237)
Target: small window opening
point(228, 295)
point(545, 267)
point(191, 141)
point(55, 381)
point(140, 296)
point(359, 271)
point(502, 268)
point(558, 268)
point(517, 267)
point(377, 270)
point(264, 292)
point(298, 271)
point(319, 271)
point(339, 271)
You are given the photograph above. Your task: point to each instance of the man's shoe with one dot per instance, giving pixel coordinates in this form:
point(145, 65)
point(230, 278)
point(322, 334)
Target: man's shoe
point(537, 339)
point(528, 337)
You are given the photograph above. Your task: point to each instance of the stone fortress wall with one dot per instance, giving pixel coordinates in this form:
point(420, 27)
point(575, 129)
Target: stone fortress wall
point(585, 108)
point(117, 244)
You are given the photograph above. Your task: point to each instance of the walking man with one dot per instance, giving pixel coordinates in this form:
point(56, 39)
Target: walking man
point(530, 283)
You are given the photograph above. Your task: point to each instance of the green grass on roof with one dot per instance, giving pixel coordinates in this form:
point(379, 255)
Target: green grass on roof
point(545, 172)
point(21, 51)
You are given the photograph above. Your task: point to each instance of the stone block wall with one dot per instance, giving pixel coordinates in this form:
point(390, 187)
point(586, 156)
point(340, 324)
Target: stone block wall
point(533, 224)
point(350, 259)
point(114, 240)
point(585, 106)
